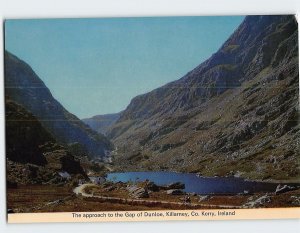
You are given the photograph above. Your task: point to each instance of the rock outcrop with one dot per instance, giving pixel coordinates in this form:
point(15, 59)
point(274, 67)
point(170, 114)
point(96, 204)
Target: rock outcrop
point(25, 136)
point(237, 112)
point(33, 155)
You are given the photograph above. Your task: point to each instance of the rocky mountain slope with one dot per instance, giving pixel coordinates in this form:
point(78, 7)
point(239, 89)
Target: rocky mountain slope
point(24, 135)
point(237, 113)
point(33, 155)
point(101, 123)
point(24, 87)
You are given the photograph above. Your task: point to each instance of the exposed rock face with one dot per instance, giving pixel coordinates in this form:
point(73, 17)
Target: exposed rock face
point(33, 156)
point(247, 52)
point(101, 123)
point(24, 87)
point(237, 112)
point(24, 135)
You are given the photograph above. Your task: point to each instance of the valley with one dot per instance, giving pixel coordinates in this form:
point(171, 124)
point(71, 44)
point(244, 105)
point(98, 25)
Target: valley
point(233, 117)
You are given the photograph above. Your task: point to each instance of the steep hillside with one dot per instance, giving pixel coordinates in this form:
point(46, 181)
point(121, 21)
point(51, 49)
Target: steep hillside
point(101, 123)
point(237, 113)
point(24, 87)
point(33, 156)
point(24, 135)
point(248, 51)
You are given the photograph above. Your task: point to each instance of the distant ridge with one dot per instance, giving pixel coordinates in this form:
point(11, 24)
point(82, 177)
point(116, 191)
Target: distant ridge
point(101, 123)
point(24, 87)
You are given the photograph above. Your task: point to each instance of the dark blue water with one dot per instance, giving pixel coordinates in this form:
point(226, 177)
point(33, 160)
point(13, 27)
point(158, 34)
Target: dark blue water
point(193, 183)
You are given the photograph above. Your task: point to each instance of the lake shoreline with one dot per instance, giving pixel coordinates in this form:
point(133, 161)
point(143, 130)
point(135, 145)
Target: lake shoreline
point(201, 185)
point(271, 181)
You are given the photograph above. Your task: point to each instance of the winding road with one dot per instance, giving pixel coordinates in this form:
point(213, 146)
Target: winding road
point(80, 190)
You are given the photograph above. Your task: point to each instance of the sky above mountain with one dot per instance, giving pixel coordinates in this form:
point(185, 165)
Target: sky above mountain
point(96, 66)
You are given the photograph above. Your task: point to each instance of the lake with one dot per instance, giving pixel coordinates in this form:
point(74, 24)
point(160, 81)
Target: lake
point(194, 183)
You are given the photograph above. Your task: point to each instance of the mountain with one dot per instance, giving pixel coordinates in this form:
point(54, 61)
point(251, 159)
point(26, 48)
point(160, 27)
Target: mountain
point(24, 135)
point(237, 113)
point(33, 156)
point(24, 87)
point(101, 123)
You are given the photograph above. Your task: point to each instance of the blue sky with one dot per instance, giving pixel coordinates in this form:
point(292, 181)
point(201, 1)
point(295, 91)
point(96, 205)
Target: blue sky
point(96, 66)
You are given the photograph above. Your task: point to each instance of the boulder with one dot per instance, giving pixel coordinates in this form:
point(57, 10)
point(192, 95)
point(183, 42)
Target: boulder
point(176, 185)
point(175, 192)
point(193, 194)
point(245, 192)
point(283, 188)
point(152, 187)
point(259, 202)
point(295, 200)
point(140, 193)
point(10, 211)
point(137, 192)
point(203, 198)
point(56, 202)
point(110, 188)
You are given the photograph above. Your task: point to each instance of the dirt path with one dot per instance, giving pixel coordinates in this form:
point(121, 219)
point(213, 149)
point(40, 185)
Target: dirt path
point(80, 191)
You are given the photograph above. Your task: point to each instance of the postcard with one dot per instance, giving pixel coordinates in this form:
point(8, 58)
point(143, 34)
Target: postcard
point(152, 118)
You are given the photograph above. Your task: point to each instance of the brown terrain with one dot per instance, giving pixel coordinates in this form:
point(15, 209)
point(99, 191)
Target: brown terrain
point(116, 197)
point(235, 115)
